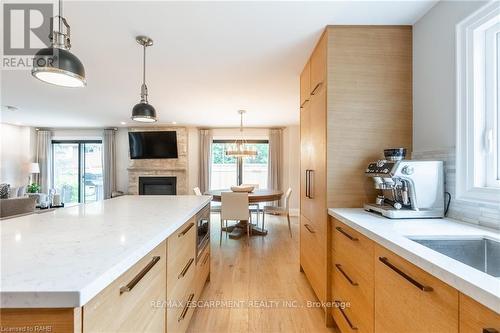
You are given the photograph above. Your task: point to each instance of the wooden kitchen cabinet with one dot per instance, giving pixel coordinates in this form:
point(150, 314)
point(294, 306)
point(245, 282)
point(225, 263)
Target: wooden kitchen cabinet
point(352, 279)
point(476, 318)
point(349, 118)
point(127, 304)
point(407, 299)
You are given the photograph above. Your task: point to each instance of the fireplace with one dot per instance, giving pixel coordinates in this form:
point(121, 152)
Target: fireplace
point(157, 185)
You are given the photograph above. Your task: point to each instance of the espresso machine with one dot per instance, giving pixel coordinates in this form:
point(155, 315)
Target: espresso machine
point(408, 189)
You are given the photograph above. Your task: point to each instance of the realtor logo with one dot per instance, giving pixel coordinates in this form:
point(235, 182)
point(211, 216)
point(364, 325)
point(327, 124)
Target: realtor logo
point(26, 28)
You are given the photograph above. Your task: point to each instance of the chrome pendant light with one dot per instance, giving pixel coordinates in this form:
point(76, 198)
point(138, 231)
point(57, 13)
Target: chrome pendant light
point(55, 64)
point(143, 111)
point(240, 147)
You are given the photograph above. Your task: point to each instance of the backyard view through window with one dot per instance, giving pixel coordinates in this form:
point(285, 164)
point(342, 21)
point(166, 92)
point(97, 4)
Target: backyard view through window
point(227, 171)
point(77, 171)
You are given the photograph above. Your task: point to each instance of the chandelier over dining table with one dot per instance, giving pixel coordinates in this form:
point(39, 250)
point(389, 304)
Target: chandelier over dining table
point(240, 147)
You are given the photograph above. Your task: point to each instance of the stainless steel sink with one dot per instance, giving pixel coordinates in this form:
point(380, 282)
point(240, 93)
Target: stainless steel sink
point(481, 253)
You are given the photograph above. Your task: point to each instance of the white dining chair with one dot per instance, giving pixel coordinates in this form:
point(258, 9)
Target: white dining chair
point(254, 207)
point(234, 207)
point(214, 206)
point(282, 211)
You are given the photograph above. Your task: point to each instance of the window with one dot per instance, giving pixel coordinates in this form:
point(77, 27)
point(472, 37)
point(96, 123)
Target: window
point(478, 118)
point(77, 170)
point(227, 171)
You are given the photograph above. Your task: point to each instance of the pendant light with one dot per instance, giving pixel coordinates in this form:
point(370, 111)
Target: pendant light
point(143, 111)
point(55, 64)
point(240, 147)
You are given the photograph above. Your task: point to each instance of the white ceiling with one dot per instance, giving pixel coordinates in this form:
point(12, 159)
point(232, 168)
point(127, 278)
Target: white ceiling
point(209, 60)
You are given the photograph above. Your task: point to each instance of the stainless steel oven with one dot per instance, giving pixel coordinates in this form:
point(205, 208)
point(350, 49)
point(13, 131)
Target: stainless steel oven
point(202, 230)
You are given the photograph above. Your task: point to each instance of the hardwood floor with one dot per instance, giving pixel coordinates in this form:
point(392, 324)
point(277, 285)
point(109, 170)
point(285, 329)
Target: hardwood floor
point(264, 282)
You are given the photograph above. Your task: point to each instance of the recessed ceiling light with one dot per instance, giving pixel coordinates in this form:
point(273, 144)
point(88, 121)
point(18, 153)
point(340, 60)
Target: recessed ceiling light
point(123, 123)
point(174, 123)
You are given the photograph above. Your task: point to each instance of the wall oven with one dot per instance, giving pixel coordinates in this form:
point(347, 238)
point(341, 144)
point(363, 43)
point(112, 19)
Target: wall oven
point(202, 230)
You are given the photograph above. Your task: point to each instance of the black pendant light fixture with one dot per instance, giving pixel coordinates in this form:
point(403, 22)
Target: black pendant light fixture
point(143, 111)
point(55, 64)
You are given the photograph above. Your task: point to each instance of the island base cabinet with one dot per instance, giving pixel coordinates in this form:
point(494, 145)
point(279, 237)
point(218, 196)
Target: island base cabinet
point(41, 320)
point(407, 299)
point(475, 318)
point(134, 301)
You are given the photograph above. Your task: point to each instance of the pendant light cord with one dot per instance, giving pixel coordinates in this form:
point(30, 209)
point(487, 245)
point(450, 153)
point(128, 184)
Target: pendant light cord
point(60, 16)
point(144, 65)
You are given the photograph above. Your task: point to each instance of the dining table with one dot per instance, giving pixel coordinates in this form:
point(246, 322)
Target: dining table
point(255, 197)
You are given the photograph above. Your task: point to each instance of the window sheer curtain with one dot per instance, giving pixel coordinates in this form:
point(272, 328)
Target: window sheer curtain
point(109, 162)
point(206, 137)
point(44, 160)
point(275, 163)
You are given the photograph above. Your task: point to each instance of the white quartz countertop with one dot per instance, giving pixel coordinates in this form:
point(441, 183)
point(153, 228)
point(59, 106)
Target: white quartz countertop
point(65, 257)
point(394, 235)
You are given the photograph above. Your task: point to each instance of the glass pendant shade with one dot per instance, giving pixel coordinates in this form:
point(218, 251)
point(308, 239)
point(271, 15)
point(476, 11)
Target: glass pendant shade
point(144, 113)
point(240, 147)
point(59, 67)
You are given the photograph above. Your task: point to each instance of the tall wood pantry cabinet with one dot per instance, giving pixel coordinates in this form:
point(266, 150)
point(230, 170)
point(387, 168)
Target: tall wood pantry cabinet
point(355, 101)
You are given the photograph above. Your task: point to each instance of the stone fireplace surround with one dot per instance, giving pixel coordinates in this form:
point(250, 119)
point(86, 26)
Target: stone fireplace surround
point(165, 167)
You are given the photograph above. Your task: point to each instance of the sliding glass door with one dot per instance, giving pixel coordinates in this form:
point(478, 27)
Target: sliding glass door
point(227, 171)
point(77, 170)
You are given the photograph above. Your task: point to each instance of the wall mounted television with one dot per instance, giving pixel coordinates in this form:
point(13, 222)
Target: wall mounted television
point(152, 144)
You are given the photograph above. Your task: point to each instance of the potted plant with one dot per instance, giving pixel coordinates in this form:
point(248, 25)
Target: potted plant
point(33, 191)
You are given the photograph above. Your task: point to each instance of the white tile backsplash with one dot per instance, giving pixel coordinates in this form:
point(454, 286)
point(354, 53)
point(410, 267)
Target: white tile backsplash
point(484, 215)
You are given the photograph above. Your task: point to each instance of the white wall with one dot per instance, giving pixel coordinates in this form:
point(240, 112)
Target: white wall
point(17, 148)
point(434, 74)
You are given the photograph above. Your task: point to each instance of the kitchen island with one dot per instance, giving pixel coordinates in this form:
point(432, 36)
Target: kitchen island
point(64, 261)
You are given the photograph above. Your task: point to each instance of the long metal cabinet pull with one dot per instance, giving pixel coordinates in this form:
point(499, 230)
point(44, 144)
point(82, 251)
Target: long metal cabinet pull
point(185, 269)
point(313, 92)
point(339, 267)
point(346, 234)
point(308, 227)
point(129, 286)
point(417, 284)
point(351, 325)
point(307, 183)
point(183, 232)
point(489, 330)
point(311, 184)
point(186, 308)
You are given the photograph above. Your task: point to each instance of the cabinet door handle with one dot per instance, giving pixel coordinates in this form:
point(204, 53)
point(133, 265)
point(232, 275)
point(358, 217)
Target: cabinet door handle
point(311, 184)
point(186, 308)
point(351, 325)
point(489, 330)
point(185, 231)
point(408, 278)
point(129, 286)
point(185, 269)
point(339, 267)
point(304, 103)
point(313, 92)
point(346, 234)
point(308, 227)
point(307, 183)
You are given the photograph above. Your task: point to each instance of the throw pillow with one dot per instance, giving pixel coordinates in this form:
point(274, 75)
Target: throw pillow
point(22, 191)
point(13, 192)
point(4, 191)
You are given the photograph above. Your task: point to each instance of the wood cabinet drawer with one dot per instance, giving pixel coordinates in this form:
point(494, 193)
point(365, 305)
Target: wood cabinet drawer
point(476, 318)
point(353, 251)
point(202, 271)
point(407, 299)
point(180, 312)
point(181, 264)
point(126, 305)
point(312, 257)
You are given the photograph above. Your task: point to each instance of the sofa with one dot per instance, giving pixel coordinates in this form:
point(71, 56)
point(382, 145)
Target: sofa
point(13, 201)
